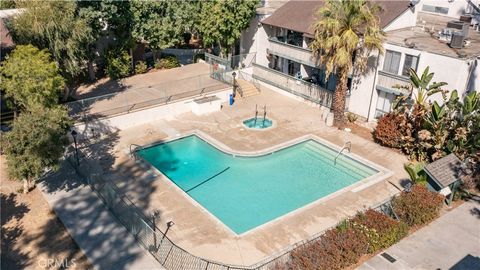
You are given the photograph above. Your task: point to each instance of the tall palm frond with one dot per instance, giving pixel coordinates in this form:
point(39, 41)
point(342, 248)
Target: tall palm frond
point(345, 34)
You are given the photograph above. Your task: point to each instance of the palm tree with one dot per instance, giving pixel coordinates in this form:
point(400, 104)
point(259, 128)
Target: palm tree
point(345, 33)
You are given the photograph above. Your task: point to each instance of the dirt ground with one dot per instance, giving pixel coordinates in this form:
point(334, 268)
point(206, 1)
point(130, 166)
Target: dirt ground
point(361, 131)
point(32, 236)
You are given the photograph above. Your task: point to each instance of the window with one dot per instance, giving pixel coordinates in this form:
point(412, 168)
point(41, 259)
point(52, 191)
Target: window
point(391, 62)
point(293, 68)
point(295, 38)
point(435, 9)
point(384, 103)
point(411, 62)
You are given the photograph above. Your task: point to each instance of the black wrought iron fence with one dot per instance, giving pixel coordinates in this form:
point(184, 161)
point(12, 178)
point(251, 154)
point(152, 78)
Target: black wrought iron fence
point(154, 240)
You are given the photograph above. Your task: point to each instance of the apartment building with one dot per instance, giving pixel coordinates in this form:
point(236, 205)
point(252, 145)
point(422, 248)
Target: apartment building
point(443, 35)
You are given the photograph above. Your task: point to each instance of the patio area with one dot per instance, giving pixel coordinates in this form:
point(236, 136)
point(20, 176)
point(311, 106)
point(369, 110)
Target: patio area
point(200, 234)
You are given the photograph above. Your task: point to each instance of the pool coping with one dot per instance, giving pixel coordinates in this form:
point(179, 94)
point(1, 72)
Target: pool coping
point(274, 125)
point(381, 175)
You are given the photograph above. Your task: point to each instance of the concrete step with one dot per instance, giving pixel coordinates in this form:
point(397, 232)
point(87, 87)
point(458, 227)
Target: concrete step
point(247, 89)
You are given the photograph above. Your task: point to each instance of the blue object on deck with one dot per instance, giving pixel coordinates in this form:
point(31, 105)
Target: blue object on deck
point(231, 100)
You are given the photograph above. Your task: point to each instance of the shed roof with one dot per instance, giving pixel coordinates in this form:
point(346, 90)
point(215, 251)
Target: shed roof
point(446, 170)
point(299, 15)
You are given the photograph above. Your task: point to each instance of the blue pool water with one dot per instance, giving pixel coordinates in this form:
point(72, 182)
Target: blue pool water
point(245, 192)
point(259, 123)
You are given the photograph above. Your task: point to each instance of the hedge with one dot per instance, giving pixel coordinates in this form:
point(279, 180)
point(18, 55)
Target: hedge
point(419, 206)
point(366, 233)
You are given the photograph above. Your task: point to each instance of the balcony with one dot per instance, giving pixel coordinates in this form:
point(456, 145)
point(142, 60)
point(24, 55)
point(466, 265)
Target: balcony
point(306, 90)
point(390, 83)
point(279, 46)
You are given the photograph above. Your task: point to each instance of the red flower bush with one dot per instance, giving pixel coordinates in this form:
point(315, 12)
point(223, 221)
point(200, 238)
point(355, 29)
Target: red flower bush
point(419, 206)
point(336, 249)
point(388, 131)
point(382, 230)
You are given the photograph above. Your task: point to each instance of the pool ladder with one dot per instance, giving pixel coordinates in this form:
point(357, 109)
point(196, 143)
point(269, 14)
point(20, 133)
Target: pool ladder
point(256, 114)
point(134, 152)
point(346, 145)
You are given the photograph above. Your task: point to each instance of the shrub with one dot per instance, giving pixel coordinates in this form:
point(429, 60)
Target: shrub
point(167, 62)
point(383, 231)
point(351, 117)
point(141, 67)
point(336, 249)
point(419, 206)
point(416, 172)
point(388, 132)
point(118, 64)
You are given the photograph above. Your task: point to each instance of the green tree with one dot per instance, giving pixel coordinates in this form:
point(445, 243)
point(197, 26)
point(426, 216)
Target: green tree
point(155, 23)
point(36, 142)
point(30, 77)
point(422, 89)
point(7, 4)
point(55, 25)
point(108, 17)
point(222, 22)
point(345, 33)
point(118, 64)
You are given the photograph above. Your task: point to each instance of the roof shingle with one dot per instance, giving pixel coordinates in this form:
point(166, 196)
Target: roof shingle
point(299, 15)
point(446, 170)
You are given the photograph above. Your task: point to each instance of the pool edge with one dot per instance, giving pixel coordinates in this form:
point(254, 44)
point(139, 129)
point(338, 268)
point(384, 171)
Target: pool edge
point(381, 175)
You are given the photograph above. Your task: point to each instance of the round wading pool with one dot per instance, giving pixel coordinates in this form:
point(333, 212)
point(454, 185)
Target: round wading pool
point(258, 123)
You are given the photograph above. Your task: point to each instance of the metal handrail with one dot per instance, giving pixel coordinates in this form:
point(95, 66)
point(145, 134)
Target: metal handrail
point(133, 153)
point(346, 145)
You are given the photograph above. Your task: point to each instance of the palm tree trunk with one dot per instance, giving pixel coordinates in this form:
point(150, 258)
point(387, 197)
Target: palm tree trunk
point(339, 100)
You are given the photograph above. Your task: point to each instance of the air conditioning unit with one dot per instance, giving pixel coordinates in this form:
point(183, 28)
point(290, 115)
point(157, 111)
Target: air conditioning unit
point(457, 40)
point(467, 18)
point(459, 25)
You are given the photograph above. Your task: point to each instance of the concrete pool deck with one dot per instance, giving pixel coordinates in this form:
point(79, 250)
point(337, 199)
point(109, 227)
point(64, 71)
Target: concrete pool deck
point(195, 230)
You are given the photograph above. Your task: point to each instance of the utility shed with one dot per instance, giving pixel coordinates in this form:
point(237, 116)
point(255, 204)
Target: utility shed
point(445, 174)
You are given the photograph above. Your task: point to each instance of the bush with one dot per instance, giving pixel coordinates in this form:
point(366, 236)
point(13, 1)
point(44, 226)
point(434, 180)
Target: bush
point(351, 117)
point(388, 131)
point(167, 62)
point(336, 249)
point(118, 64)
point(419, 206)
point(141, 67)
point(383, 231)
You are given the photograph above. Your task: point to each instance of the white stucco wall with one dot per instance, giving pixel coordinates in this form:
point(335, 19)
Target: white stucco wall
point(361, 92)
point(455, 8)
point(451, 70)
point(135, 118)
point(456, 72)
point(406, 19)
point(248, 39)
point(255, 40)
point(474, 79)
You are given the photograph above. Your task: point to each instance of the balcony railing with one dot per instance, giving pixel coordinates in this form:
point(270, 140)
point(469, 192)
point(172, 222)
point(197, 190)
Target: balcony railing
point(306, 90)
point(391, 83)
point(292, 52)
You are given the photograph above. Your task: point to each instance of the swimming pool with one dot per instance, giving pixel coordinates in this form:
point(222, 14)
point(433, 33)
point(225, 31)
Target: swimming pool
point(246, 192)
